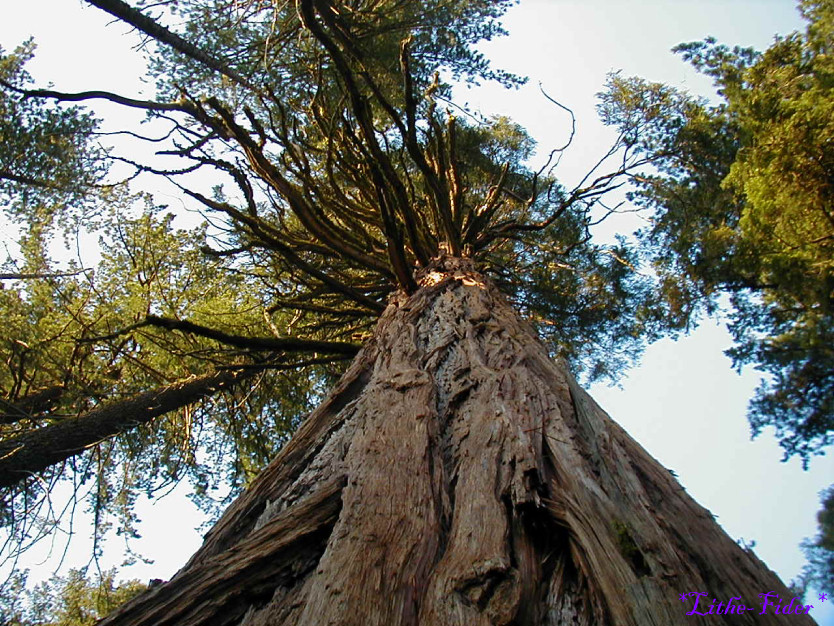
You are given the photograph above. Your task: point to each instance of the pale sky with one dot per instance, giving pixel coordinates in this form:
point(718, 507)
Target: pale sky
point(684, 403)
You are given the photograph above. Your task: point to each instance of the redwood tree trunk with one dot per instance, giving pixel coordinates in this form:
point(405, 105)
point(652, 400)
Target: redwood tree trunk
point(457, 476)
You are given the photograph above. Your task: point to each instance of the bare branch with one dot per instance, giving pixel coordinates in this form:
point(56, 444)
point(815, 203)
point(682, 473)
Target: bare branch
point(44, 275)
point(145, 24)
point(147, 105)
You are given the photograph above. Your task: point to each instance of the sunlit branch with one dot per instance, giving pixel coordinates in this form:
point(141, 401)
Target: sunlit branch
point(402, 204)
point(380, 168)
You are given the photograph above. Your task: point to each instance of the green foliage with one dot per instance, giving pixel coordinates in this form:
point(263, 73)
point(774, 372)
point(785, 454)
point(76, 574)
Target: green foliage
point(73, 343)
point(48, 161)
point(71, 600)
point(743, 204)
point(588, 302)
point(819, 571)
point(267, 43)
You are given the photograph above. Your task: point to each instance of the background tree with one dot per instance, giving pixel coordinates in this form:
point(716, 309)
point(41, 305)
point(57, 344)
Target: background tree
point(47, 158)
point(819, 571)
point(742, 200)
point(71, 600)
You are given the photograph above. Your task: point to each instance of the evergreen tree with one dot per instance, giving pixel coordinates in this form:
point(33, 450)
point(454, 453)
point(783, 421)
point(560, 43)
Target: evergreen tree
point(71, 600)
point(312, 233)
point(819, 571)
point(455, 473)
point(743, 206)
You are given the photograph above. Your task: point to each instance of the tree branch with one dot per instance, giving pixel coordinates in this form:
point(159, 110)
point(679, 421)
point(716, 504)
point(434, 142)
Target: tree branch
point(129, 15)
point(287, 344)
point(271, 239)
point(36, 450)
point(381, 170)
point(272, 344)
point(61, 96)
point(33, 276)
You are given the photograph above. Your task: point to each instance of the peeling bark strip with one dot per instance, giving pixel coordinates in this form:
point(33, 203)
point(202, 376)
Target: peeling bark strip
point(36, 450)
point(477, 485)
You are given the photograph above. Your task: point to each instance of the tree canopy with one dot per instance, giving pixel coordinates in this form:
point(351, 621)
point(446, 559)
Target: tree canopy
point(819, 570)
point(71, 600)
point(48, 159)
point(742, 207)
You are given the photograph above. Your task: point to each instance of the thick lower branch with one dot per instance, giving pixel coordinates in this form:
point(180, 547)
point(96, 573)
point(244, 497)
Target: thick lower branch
point(36, 450)
point(288, 344)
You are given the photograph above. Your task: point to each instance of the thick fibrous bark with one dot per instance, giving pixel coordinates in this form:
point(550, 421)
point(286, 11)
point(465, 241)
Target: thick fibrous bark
point(34, 451)
point(456, 475)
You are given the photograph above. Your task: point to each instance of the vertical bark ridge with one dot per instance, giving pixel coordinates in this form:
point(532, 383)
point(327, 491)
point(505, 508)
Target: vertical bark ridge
point(477, 484)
